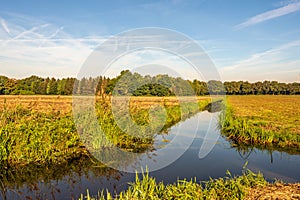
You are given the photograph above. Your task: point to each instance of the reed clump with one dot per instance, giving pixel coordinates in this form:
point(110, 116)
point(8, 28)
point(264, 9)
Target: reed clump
point(29, 136)
point(146, 187)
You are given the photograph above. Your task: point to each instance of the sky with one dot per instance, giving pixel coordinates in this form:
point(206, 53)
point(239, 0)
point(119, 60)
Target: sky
point(251, 40)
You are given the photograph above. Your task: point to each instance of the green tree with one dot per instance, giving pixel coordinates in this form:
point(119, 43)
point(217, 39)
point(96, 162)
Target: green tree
point(52, 87)
point(10, 86)
point(3, 80)
point(216, 87)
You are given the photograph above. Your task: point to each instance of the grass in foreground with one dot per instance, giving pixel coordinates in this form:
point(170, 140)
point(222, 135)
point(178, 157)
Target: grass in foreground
point(229, 187)
point(270, 121)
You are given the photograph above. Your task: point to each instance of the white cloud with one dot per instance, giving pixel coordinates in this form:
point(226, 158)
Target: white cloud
point(3, 23)
point(35, 47)
point(154, 62)
point(41, 48)
point(280, 63)
point(287, 9)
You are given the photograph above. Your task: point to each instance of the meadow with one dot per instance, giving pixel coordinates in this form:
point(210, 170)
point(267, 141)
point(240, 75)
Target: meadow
point(38, 132)
point(41, 130)
point(264, 120)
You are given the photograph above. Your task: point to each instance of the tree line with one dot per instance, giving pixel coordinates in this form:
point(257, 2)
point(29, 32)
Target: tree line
point(128, 83)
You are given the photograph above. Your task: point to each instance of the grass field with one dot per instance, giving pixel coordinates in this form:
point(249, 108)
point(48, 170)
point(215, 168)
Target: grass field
point(37, 102)
point(63, 104)
point(269, 112)
point(264, 120)
point(41, 129)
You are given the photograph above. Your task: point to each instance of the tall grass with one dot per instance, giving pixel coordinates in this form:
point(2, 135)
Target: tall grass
point(49, 136)
point(28, 136)
point(244, 131)
point(141, 137)
point(146, 187)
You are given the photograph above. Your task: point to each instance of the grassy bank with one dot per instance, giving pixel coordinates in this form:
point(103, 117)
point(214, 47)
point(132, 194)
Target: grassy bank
point(42, 131)
point(248, 186)
point(265, 121)
point(229, 187)
point(29, 136)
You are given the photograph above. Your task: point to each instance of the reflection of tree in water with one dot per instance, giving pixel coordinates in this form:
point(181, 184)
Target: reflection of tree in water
point(216, 106)
point(33, 178)
point(246, 150)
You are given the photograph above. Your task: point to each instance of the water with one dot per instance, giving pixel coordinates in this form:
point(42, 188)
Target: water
point(68, 182)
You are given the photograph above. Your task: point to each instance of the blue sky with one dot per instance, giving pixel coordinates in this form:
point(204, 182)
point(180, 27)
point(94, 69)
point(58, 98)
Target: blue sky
point(247, 40)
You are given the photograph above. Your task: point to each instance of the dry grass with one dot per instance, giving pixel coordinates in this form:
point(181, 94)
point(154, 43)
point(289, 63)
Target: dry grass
point(147, 102)
point(269, 112)
point(64, 103)
point(42, 129)
point(275, 191)
point(37, 102)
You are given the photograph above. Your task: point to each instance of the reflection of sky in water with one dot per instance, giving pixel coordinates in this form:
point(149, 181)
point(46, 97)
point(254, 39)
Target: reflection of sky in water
point(179, 139)
point(221, 157)
point(191, 134)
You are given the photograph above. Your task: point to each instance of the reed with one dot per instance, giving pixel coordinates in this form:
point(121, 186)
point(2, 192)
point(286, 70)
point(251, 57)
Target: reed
point(146, 187)
point(34, 133)
point(28, 136)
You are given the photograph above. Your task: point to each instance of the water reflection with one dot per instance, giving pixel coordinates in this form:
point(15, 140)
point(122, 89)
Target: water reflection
point(49, 181)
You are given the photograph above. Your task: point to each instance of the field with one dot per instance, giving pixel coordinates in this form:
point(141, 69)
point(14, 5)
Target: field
point(37, 102)
point(41, 129)
point(38, 132)
point(270, 112)
point(263, 120)
point(46, 103)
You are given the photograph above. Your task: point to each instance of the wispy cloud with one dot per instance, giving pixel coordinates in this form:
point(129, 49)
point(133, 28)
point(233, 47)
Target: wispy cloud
point(37, 47)
point(280, 63)
point(3, 23)
point(154, 62)
point(42, 48)
point(287, 9)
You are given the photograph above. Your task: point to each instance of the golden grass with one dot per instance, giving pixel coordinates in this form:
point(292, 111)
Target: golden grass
point(45, 103)
point(42, 129)
point(275, 191)
point(269, 112)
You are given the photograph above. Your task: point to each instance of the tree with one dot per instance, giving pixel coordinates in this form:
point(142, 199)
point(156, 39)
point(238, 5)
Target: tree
point(69, 86)
point(10, 86)
point(52, 87)
point(3, 80)
point(216, 87)
point(246, 88)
